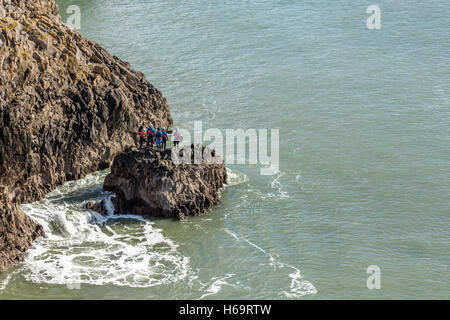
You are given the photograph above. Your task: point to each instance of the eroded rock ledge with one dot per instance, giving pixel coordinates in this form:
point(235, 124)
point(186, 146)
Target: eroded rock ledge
point(148, 182)
point(67, 108)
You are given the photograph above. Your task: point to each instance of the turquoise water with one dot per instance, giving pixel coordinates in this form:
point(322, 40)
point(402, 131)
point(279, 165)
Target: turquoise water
point(364, 156)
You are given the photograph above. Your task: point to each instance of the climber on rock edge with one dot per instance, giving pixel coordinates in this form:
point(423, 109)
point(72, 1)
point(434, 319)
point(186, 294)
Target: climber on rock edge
point(164, 138)
point(150, 136)
point(158, 136)
point(176, 138)
point(142, 136)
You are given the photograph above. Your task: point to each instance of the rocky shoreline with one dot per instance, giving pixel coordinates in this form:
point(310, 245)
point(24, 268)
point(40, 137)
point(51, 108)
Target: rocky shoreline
point(67, 108)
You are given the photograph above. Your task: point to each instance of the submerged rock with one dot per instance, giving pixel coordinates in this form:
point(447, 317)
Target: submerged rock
point(67, 108)
point(149, 182)
point(97, 206)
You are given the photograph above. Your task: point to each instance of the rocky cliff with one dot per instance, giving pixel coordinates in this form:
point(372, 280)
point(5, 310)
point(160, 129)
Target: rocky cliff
point(67, 108)
point(148, 182)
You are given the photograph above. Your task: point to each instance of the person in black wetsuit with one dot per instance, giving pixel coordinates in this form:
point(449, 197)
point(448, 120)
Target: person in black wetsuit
point(164, 138)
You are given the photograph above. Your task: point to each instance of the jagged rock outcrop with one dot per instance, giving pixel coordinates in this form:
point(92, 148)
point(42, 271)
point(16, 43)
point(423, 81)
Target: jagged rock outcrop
point(67, 107)
point(17, 231)
point(149, 182)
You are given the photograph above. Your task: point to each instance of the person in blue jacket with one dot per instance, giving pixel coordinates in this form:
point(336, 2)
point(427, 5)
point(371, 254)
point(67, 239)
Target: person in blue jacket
point(158, 136)
point(150, 136)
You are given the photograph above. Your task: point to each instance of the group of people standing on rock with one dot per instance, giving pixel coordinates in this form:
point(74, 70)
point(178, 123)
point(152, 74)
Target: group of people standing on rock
point(151, 136)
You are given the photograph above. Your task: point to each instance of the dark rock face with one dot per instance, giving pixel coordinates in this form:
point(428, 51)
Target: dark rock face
point(148, 182)
point(67, 107)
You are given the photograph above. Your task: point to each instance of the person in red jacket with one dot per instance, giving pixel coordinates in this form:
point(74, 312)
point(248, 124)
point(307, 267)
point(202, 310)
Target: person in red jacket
point(142, 136)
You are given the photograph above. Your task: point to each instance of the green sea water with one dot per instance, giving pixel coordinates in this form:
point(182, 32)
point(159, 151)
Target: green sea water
point(364, 156)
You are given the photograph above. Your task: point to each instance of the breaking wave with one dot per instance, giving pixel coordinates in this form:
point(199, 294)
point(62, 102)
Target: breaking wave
point(235, 178)
point(84, 247)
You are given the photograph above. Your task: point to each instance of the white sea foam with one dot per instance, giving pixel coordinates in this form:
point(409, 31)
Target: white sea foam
point(278, 186)
point(4, 283)
point(83, 247)
point(298, 286)
point(235, 178)
point(216, 285)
